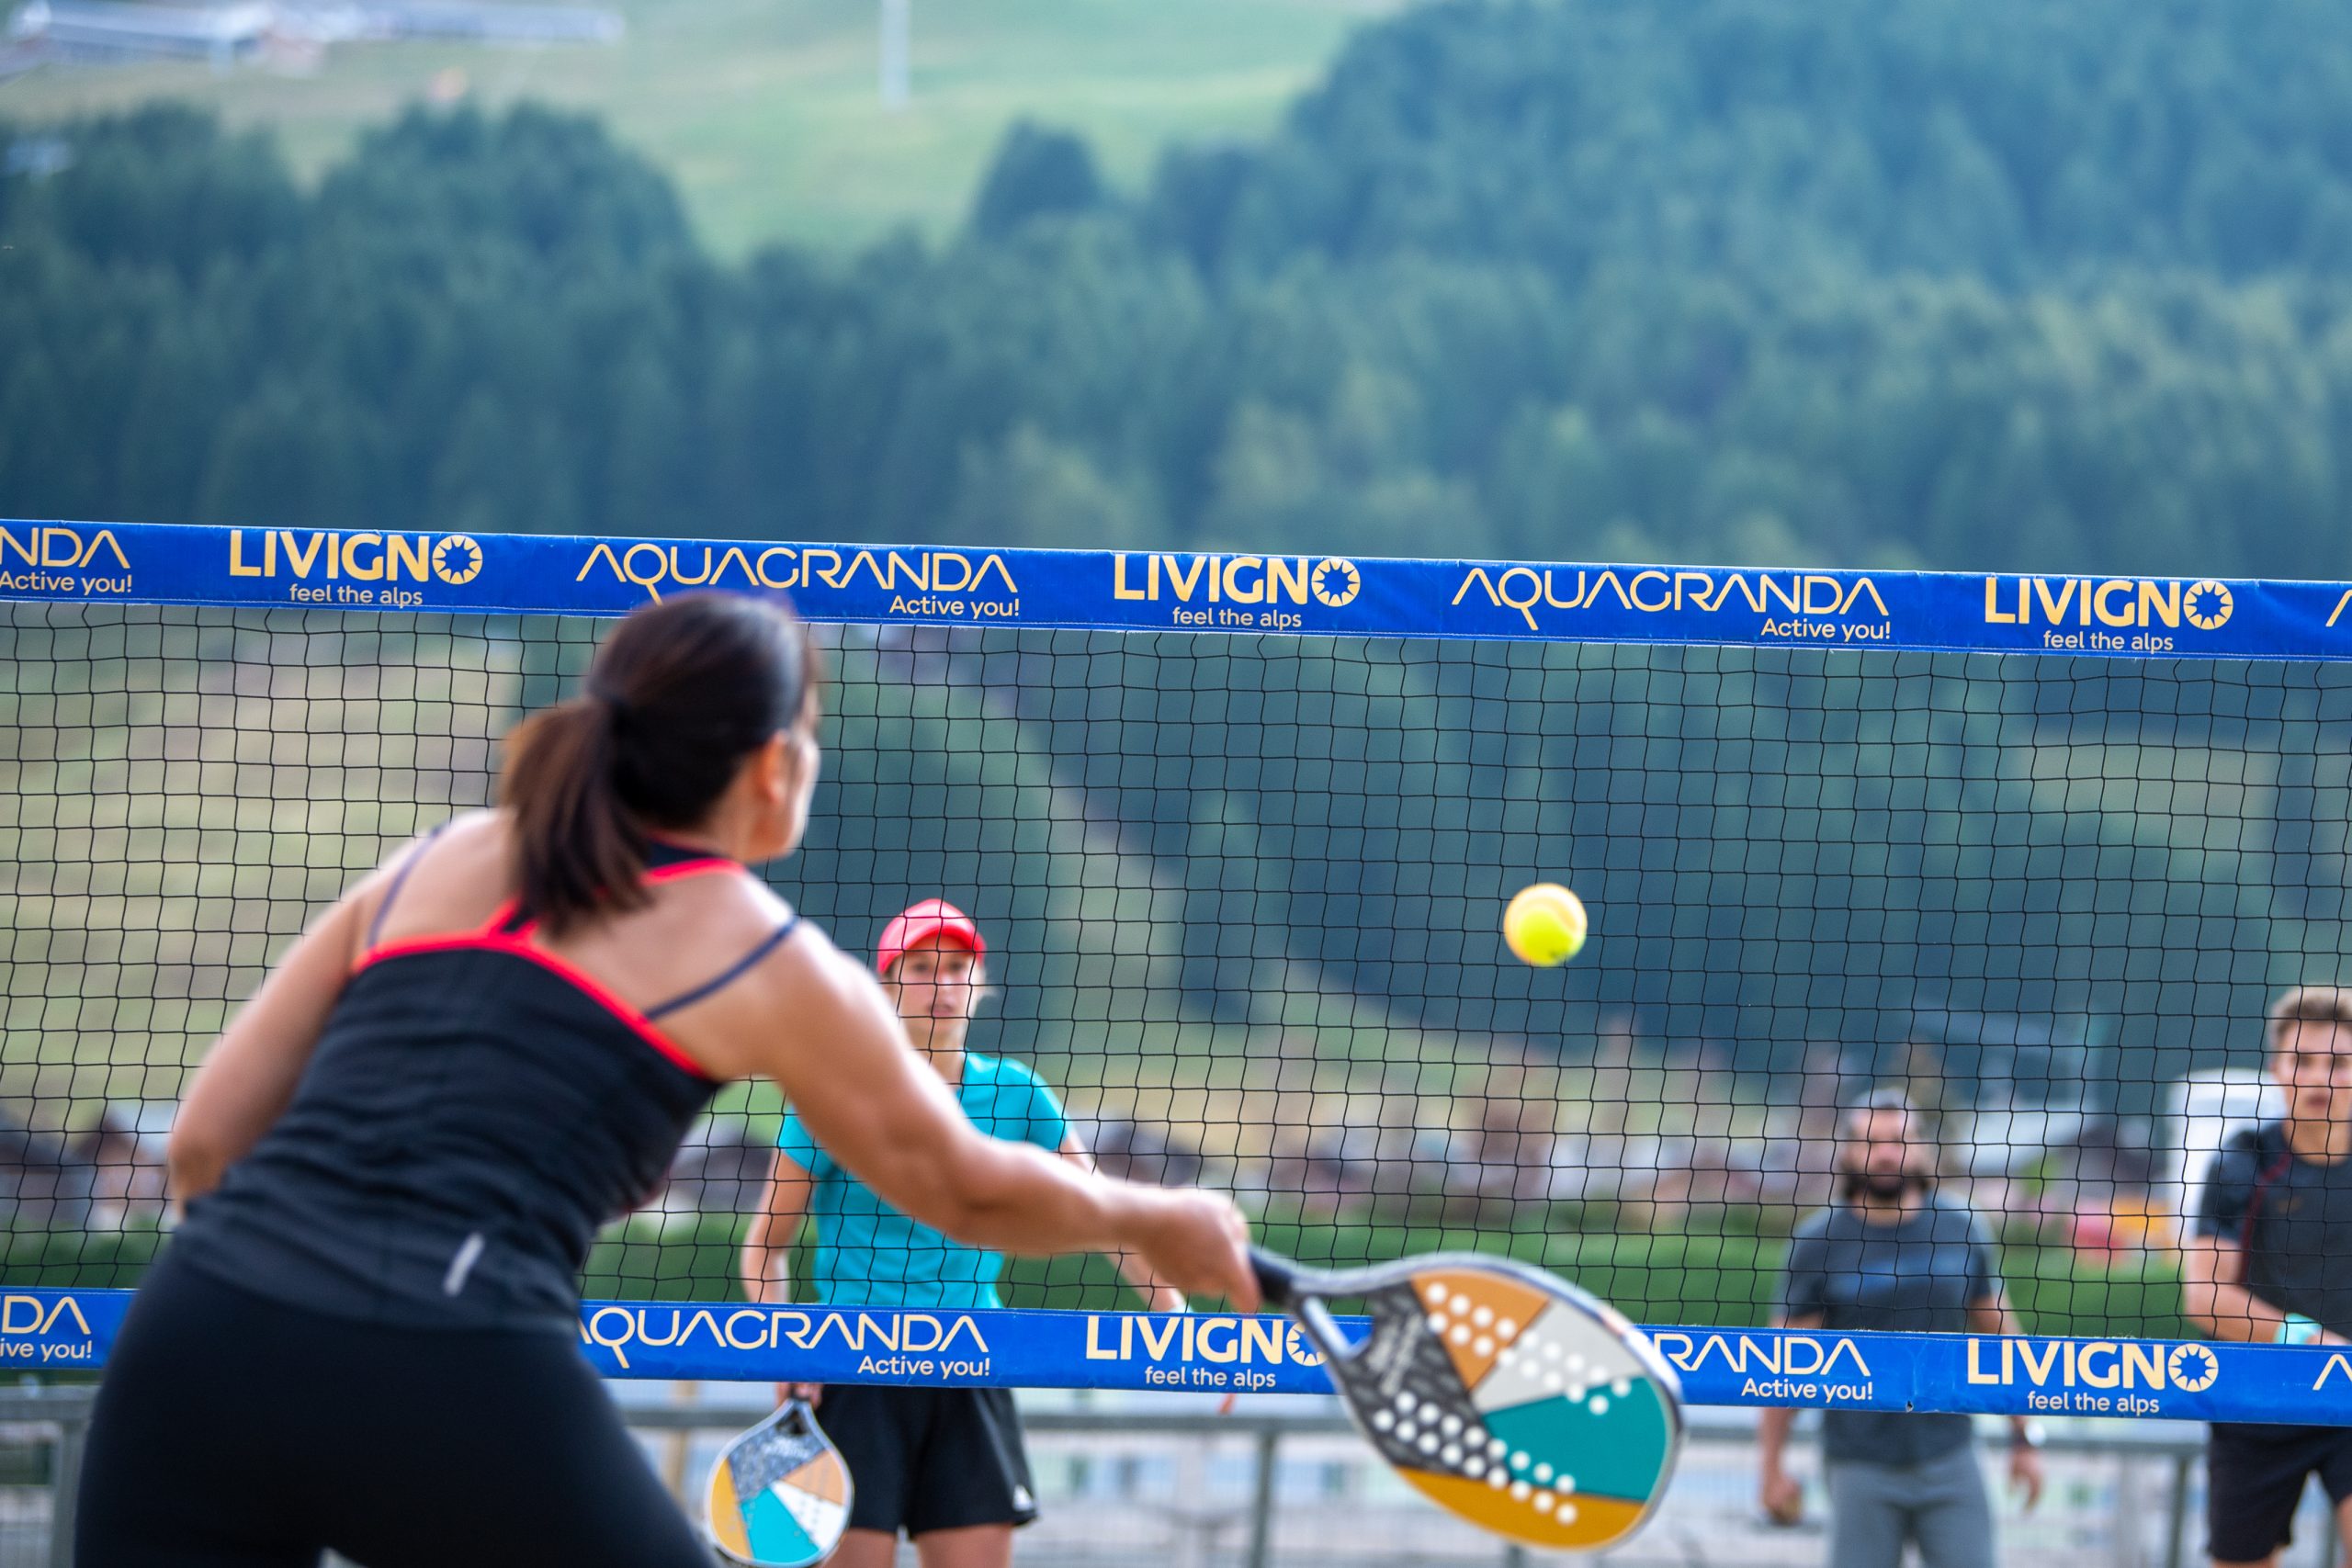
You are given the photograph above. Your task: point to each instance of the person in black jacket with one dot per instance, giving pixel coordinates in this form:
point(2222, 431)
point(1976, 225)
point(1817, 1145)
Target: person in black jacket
point(2271, 1262)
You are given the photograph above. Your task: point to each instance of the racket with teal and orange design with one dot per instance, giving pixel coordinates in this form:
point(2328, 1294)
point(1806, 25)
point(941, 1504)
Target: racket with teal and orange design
point(1507, 1397)
point(779, 1496)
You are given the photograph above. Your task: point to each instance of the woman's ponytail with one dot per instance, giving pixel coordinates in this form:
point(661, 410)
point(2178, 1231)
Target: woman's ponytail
point(678, 695)
point(575, 844)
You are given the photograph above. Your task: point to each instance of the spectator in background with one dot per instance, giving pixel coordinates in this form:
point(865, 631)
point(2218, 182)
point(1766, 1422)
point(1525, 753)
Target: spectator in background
point(2271, 1262)
point(1894, 1254)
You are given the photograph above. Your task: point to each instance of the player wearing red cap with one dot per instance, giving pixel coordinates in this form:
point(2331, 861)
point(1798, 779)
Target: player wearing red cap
point(946, 1466)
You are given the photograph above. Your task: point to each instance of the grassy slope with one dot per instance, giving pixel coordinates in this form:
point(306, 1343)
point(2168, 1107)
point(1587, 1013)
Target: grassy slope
point(766, 111)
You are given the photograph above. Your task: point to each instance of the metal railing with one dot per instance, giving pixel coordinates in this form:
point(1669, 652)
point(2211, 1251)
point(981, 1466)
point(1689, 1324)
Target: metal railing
point(58, 1417)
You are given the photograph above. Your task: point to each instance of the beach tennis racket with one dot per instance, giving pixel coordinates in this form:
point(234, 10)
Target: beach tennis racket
point(779, 1496)
point(1510, 1398)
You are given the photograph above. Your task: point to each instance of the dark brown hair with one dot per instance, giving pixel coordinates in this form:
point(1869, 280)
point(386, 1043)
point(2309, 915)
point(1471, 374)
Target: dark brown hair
point(678, 695)
point(2308, 1004)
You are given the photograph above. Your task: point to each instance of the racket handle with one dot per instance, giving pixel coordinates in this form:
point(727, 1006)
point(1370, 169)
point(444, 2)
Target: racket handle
point(1277, 1277)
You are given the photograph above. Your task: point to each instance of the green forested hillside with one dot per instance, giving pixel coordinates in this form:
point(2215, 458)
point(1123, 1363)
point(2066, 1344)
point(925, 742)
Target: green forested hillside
point(1963, 284)
point(2015, 141)
point(1989, 284)
point(766, 112)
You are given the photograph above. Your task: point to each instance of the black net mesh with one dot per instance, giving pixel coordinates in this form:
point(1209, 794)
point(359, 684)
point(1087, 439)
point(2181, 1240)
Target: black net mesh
point(1242, 897)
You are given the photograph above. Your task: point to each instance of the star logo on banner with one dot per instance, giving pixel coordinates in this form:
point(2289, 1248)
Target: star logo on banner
point(2208, 605)
point(2193, 1367)
point(1336, 583)
point(457, 559)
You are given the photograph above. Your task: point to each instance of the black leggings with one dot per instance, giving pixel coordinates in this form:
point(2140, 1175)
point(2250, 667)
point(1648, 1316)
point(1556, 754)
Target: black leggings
point(233, 1430)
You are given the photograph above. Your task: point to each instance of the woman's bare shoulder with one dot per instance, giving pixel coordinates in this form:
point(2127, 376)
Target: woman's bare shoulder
point(454, 873)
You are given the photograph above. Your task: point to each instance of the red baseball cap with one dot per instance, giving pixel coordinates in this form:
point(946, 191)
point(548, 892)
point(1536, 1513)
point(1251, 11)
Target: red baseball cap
point(932, 920)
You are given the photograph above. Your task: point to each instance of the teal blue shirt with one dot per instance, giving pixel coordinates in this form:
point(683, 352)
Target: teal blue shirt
point(868, 1254)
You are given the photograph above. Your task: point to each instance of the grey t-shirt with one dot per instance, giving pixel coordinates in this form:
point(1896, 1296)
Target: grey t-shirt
point(1921, 1275)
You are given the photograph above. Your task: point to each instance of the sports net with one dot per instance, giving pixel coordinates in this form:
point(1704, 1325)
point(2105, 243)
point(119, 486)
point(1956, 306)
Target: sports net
point(1242, 893)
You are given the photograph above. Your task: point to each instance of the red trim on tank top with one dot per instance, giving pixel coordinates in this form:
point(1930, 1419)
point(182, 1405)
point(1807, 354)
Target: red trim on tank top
point(656, 873)
point(581, 981)
point(491, 938)
point(677, 869)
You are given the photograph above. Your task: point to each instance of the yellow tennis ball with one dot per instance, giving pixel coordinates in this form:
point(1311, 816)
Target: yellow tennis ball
point(1545, 925)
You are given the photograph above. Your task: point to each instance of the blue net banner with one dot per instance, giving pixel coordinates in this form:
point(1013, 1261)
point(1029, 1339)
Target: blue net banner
point(1157, 591)
point(55, 1330)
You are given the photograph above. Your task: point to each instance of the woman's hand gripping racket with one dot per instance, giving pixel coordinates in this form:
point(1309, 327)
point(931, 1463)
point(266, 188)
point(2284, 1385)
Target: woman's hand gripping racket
point(1510, 1398)
point(779, 1496)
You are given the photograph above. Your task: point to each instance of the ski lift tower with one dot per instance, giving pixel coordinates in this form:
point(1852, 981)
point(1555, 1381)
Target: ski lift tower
point(898, 26)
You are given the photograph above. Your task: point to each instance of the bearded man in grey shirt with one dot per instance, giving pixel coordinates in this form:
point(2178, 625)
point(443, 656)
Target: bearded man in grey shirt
point(1895, 1255)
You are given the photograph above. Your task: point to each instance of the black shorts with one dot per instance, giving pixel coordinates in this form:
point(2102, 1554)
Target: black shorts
point(234, 1431)
point(930, 1458)
point(2254, 1476)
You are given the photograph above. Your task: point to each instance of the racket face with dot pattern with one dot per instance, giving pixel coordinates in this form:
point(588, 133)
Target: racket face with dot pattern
point(1507, 1397)
point(779, 1496)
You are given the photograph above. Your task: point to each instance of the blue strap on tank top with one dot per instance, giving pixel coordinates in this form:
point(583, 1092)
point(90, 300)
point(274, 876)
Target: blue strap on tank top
point(400, 880)
point(728, 976)
point(664, 854)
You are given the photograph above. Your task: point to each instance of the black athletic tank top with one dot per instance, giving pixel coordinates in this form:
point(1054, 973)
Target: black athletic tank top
point(475, 1109)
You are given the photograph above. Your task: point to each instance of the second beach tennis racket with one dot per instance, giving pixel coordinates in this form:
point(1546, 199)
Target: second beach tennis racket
point(1510, 1398)
point(779, 1496)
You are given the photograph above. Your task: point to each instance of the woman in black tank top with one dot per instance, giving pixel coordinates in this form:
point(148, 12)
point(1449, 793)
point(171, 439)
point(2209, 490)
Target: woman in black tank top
point(362, 1337)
